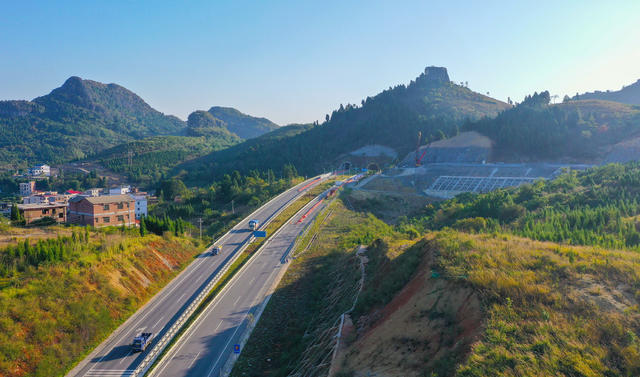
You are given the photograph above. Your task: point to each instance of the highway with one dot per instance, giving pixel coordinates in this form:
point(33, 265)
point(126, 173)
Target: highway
point(207, 346)
point(114, 357)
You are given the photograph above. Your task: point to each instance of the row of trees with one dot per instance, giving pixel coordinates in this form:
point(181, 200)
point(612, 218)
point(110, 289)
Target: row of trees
point(25, 254)
point(224, 199)
point(159, 225)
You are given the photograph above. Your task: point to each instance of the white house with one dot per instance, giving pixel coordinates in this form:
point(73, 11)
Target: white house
point(141, 204)
point(92, 192)
point(120, 190)
point(40, 170)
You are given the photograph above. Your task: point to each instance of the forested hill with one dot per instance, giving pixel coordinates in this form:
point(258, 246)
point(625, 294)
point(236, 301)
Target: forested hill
point(579, 131)
point(628, 94)
point(227, 122)
point(243, 125)
point(79, 118)
point(431, 104)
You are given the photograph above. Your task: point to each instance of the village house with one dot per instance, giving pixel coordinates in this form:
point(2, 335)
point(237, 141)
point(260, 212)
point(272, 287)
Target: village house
point(27, 188)
point(40, 170)
point(33, 212)
point(101, 211)
point(93, 192)
point(141, 204)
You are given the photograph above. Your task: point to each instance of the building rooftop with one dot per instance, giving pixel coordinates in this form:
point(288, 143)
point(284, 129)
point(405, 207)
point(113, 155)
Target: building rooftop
point(103, 199)
point(41, 205)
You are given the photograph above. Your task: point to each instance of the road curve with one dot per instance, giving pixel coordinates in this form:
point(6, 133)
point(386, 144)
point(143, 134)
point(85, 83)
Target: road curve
point(113, 357)
point(209, 343)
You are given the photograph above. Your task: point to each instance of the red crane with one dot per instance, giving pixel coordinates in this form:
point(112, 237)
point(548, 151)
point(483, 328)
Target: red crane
point(419, 158)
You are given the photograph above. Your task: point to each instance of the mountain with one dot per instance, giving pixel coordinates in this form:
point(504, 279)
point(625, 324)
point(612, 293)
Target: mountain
point(575, 130)
point(431, 104)
point(202, 123)
point(76, 120)
point(243, 125)
point(628, 94)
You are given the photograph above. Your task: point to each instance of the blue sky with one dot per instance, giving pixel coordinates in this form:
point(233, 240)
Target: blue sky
point(294, 61)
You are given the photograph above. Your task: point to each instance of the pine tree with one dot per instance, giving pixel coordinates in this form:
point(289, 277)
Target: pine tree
point(143, 227)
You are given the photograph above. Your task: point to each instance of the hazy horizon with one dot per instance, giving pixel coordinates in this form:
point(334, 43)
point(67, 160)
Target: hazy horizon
point(293, 63)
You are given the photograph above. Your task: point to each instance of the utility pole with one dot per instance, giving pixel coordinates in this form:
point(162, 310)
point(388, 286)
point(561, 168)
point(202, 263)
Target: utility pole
point(200, 222)
point(233, 210)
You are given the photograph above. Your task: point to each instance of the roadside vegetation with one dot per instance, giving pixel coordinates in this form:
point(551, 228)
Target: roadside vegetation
point(318, 286)
point(537, 280)
point(62, 295)
point(223, 202)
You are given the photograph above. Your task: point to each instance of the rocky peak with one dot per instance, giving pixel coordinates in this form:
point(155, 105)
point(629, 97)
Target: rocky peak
point(436, 74)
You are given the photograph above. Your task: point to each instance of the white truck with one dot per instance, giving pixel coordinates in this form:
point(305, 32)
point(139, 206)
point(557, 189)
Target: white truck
point(253, 224)
point(141, 342)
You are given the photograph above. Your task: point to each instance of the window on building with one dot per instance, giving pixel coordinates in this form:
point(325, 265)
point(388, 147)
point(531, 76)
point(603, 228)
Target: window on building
point(120, 218)
point(120, 205)
point(105, 207)
point(61, 215)
point(106, 219)
point(45, 211)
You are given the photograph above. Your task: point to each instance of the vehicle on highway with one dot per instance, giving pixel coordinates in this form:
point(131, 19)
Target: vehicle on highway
point(253, 224)
point(141, 342)
point(217, 249)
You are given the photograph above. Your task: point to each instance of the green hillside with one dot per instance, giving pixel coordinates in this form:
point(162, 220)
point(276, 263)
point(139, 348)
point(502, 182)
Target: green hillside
point(153, 157)
point(536, 130)
point(598, 207)
point(75, 120)
point(201, 170)
point(628, 94)
point(431, 104)
point(243, 125)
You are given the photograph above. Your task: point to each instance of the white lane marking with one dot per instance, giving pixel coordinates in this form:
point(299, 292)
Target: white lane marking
point(156, 324)
point(194, 360)
point(234, 333)
point(218, 326)
point(182, 296)
point(109, 372)
point(236, 302)
point(202, 317)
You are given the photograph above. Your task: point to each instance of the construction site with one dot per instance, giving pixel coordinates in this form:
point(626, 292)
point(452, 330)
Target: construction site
point(446, 168)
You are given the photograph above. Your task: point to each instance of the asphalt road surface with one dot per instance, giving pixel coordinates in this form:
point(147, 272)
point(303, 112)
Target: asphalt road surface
point(114, 357)
point(205, 348)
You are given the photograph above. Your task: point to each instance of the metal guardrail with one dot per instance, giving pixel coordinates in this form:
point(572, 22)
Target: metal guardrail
point(160, 345)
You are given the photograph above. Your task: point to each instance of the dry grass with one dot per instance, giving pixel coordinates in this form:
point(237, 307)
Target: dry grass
point(52, 315)
point(542, 316)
